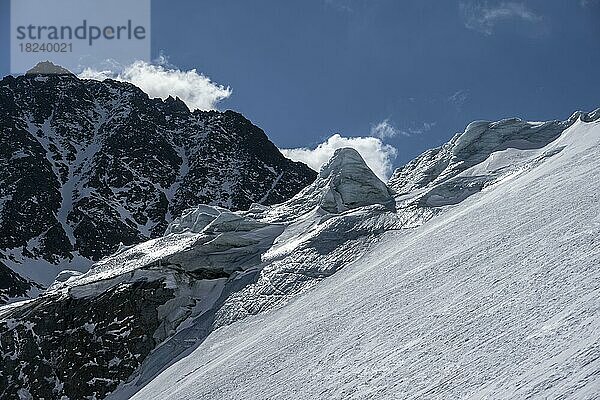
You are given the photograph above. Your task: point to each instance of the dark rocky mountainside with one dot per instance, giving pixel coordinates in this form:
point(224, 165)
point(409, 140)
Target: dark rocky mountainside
point(87, 165)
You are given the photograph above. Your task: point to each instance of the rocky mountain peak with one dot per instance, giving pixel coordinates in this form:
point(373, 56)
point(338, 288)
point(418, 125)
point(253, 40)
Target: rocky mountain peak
point(176, 105)
point(87, 165)
point(48, 68)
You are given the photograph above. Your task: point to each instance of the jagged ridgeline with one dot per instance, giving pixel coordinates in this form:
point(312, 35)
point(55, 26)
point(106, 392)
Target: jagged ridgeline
point(86, 165)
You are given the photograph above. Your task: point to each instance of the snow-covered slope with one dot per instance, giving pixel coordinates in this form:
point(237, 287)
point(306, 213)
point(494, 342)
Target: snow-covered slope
point(212, 267)
point(439, 175)
point(495, 298)
point(348, 289)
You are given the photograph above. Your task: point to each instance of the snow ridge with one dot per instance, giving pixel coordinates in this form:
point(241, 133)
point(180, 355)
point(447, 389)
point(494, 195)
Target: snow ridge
point(448, 174)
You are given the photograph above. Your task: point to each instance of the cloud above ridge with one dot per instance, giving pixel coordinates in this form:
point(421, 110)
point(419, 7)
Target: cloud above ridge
point(195, 89)
point(377, 155)
point(386, 130)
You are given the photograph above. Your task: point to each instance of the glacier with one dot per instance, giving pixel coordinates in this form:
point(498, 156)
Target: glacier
point(471, 274)
point(497, 297)
point(211, 268)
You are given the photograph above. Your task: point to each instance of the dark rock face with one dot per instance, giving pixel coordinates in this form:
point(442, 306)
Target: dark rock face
point(11, 284)
point(85, 165)
point(62, 347)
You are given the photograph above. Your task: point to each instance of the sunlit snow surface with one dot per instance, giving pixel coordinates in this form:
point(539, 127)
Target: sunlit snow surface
point(499, 297)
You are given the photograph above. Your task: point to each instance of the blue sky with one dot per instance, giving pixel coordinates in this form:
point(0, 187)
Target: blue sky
point(414, 72)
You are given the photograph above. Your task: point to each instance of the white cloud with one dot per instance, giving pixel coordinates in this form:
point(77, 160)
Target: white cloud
point(195, 89)
point(385, 130)
point(483, 17)
point(377, 155)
